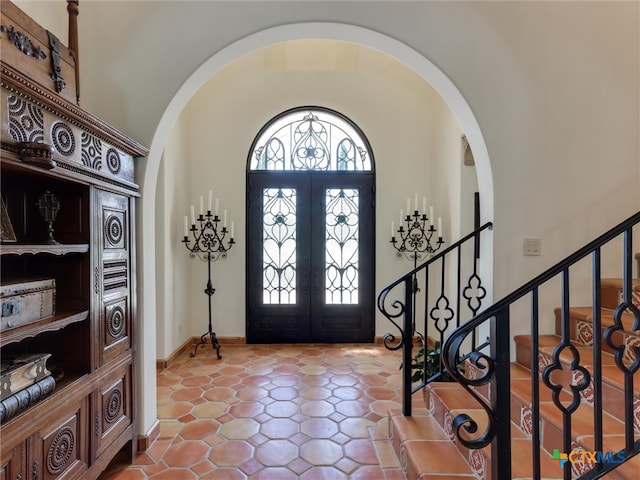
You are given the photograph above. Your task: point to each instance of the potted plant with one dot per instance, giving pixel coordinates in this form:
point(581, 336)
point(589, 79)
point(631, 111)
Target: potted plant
point(426, 363)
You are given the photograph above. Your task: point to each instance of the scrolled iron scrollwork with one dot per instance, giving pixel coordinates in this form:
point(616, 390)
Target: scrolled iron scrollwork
point(389, 339)
point(622, 356)
point(450, 359)
point(442, 314)
point(484, 363)
point(474, 293)
point(580, 374)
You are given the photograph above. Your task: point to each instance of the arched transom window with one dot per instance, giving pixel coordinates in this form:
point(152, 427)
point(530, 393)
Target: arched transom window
point(311, 139)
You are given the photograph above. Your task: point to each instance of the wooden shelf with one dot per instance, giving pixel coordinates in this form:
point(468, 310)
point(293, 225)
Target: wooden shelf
point(62, 389)
point(56, 322)
point(36, 248)
point(91, 337)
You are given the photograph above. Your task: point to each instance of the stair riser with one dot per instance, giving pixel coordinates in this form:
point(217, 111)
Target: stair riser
point(581, 332)
point(610, 297)
point(614, 404)
point(475, 458)
point(550, 436)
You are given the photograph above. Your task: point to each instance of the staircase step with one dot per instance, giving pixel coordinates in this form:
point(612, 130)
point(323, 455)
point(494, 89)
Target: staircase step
point(416, 427)
point(611, 290)
point(522, 461)
point(581, 327)
point(428, 448)
point(423, 440)
point(424, 450)
point(428, 457)
point(443, 398)
point(612, 376)
point(630, 470)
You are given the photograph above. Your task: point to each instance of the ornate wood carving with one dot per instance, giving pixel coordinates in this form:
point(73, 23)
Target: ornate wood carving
point(91, 151)
point(23, 43)
point(17, 83)
point(61, 450)
point(113, 406)
point(38, 154)
point(113, 161)
point(59, 249)
point(63, 139)
point(26, 121)
point(114, 230)
point(116, 321)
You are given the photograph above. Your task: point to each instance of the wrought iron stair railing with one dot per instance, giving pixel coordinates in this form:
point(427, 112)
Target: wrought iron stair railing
point(491, 363)
point(435, 294)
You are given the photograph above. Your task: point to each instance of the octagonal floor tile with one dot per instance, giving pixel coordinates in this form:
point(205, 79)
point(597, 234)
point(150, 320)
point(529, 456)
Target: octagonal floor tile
point(210, 410)
point(246, 409)
point(356, 427)
point(303, 412)
point(319, 428)
point(174, 410)
point(276, 453)
point(279, 428)
point(185, 454)
point(239, 428)
point(282, 409)
point(317, 408)
point(231, 454)
point(321, 452)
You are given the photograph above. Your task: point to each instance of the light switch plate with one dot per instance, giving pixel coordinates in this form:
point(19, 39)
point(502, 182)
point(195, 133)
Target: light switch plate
point(532, 247)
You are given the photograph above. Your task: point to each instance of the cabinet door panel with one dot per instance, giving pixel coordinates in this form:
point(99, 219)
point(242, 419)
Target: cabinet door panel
point(116, 325)
point(112, 408)
point(112, 266)
point(61, 451)
point(12, 463)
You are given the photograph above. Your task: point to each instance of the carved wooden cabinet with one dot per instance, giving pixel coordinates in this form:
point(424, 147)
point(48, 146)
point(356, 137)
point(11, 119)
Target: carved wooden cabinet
point(57, 157)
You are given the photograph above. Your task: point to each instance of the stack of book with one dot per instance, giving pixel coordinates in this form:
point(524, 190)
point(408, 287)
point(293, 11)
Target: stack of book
point(24, 380)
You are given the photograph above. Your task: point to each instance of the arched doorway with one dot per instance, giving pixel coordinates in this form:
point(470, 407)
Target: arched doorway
point(147, 263)
point(310, 230)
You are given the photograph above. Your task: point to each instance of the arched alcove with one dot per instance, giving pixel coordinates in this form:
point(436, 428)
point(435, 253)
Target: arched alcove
point(332, 31)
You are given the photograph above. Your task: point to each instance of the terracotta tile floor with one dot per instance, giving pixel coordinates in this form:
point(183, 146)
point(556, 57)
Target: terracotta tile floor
point(274, 412)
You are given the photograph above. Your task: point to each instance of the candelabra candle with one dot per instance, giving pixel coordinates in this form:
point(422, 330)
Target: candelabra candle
point(210, 243)
point(416, 237)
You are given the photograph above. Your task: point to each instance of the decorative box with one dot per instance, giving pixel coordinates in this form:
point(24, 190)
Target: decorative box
point(30, 48)
point(20, 371)
point(25, 302)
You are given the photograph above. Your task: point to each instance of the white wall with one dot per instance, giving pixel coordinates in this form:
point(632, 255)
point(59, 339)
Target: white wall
point(174, 282)
point(411, 131)
point(554, 87)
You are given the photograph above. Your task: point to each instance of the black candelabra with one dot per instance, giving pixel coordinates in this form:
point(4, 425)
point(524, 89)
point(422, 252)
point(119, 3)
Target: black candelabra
point(417, 239)
point(209, 245)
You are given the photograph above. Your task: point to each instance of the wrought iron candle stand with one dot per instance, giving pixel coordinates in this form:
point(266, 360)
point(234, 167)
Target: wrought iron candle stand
point(209, 246)
point(417, 242)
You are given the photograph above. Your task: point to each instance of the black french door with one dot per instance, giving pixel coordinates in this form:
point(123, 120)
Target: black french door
point(310, 257)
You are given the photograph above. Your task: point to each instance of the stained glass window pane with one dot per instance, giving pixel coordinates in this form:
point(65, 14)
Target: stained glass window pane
point(279, 246)
point(341, 241)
